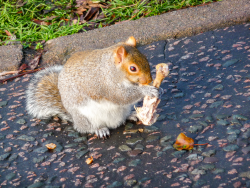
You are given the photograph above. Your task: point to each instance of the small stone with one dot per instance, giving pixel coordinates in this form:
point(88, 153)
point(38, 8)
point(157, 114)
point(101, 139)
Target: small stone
point(41, 149)
point(10, 176)
point(134, 153)
point(216, 104)
point(159, 154)
point(124, 148)
point(143, 180)
point(135, 162)
point(246, 134)
point(152, 138)
point(74, 134)
point(203, 123)
point(179, 95)
point(130, 183)
point(81, 153)
point(71, 145)
point(2, 137)
point(230, 62)
point(211, 160)
point(161, 118)
point(209, 119)
point(172, 117)
point(82, 148)
point(139, 147)
point(36, 185)
point(195, 128)
point(199, 183)
point(198, 172)
point(194, 157)
point(219, 87)
point(149, 129)
point(207, 167)
point(235, 122)
point(165, 138)
point(3, 103)
point(81, 139)
point(233, 131)
point(242, 142)
point(51, 179)
point(13, 157)
point(221, 116)
point(117, 160)
point(178, 154)
point(218, 171)
point(232, 138)
point(209, 153)
point(212, 138)
point(21, 121)
point(185, 120)
point(129, 126)
point(26, 138)
point(4, 156)
point(246, 150)
point(245, 174)
point(222, 122)
point(134, 140)
point(39, 159)
point(231, 148)
point(240, 117)
point(167, 148)
point(47, 134)
point(196, 116)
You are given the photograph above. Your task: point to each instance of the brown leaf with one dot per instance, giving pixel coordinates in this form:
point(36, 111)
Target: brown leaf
point(89, 160)
point(8, 33)
point(183, 142)
point(50, 18)
point(91, 13)
point(23, 67)
point(40, 22)
point(33, 63)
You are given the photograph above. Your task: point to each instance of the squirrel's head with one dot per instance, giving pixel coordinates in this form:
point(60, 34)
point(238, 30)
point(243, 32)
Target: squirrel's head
point(133, 63)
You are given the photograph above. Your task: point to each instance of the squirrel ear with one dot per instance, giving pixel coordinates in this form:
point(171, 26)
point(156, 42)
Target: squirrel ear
point(121, 53)
point(131, 41)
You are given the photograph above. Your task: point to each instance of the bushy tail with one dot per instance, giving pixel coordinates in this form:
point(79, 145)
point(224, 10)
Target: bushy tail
point(43, 99)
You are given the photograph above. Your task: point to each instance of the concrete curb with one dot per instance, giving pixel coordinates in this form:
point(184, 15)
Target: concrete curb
point(181, 23)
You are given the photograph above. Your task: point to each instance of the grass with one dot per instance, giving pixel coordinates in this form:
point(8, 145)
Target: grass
point(30, 21)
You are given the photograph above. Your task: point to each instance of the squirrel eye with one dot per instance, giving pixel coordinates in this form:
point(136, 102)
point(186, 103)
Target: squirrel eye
point(133, 69)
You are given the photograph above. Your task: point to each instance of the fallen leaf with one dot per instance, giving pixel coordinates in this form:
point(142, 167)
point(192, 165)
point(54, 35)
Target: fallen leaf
point(33, 63)
point(89, 160)
point(51, 146)
point(40, 22)
point(183, 142)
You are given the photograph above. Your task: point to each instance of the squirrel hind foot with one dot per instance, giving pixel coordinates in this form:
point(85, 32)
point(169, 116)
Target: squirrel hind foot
point(102, 133)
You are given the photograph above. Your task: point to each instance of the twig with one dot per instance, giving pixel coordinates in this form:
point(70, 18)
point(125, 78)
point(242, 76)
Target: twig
point(19, 75)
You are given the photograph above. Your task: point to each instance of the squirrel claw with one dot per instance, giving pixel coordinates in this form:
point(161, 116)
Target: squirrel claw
point(102, 133)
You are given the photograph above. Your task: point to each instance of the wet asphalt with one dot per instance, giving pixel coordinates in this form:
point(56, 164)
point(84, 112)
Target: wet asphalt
point(206, 97)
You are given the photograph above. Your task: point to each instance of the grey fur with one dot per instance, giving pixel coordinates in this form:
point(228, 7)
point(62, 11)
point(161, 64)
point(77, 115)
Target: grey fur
point(43, 109)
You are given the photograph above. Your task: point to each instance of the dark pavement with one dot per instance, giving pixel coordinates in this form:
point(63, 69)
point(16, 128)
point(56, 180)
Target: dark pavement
point(206, 96)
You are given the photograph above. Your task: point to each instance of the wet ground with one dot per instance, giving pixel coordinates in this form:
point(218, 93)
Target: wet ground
point(206, 97)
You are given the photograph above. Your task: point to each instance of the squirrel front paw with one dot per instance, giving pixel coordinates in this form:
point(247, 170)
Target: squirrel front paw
point(103, 132)
point(151, 91)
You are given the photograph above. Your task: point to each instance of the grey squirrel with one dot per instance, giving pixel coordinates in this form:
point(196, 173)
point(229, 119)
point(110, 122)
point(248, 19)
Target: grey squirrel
point(95, 89)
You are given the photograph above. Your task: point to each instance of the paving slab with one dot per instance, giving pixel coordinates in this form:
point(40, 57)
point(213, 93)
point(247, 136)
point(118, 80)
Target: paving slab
point(175, 24)
point(10, 57)
point(208, 85)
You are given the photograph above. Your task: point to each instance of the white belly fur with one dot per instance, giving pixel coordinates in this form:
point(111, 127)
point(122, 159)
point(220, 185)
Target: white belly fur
point(105, 113)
